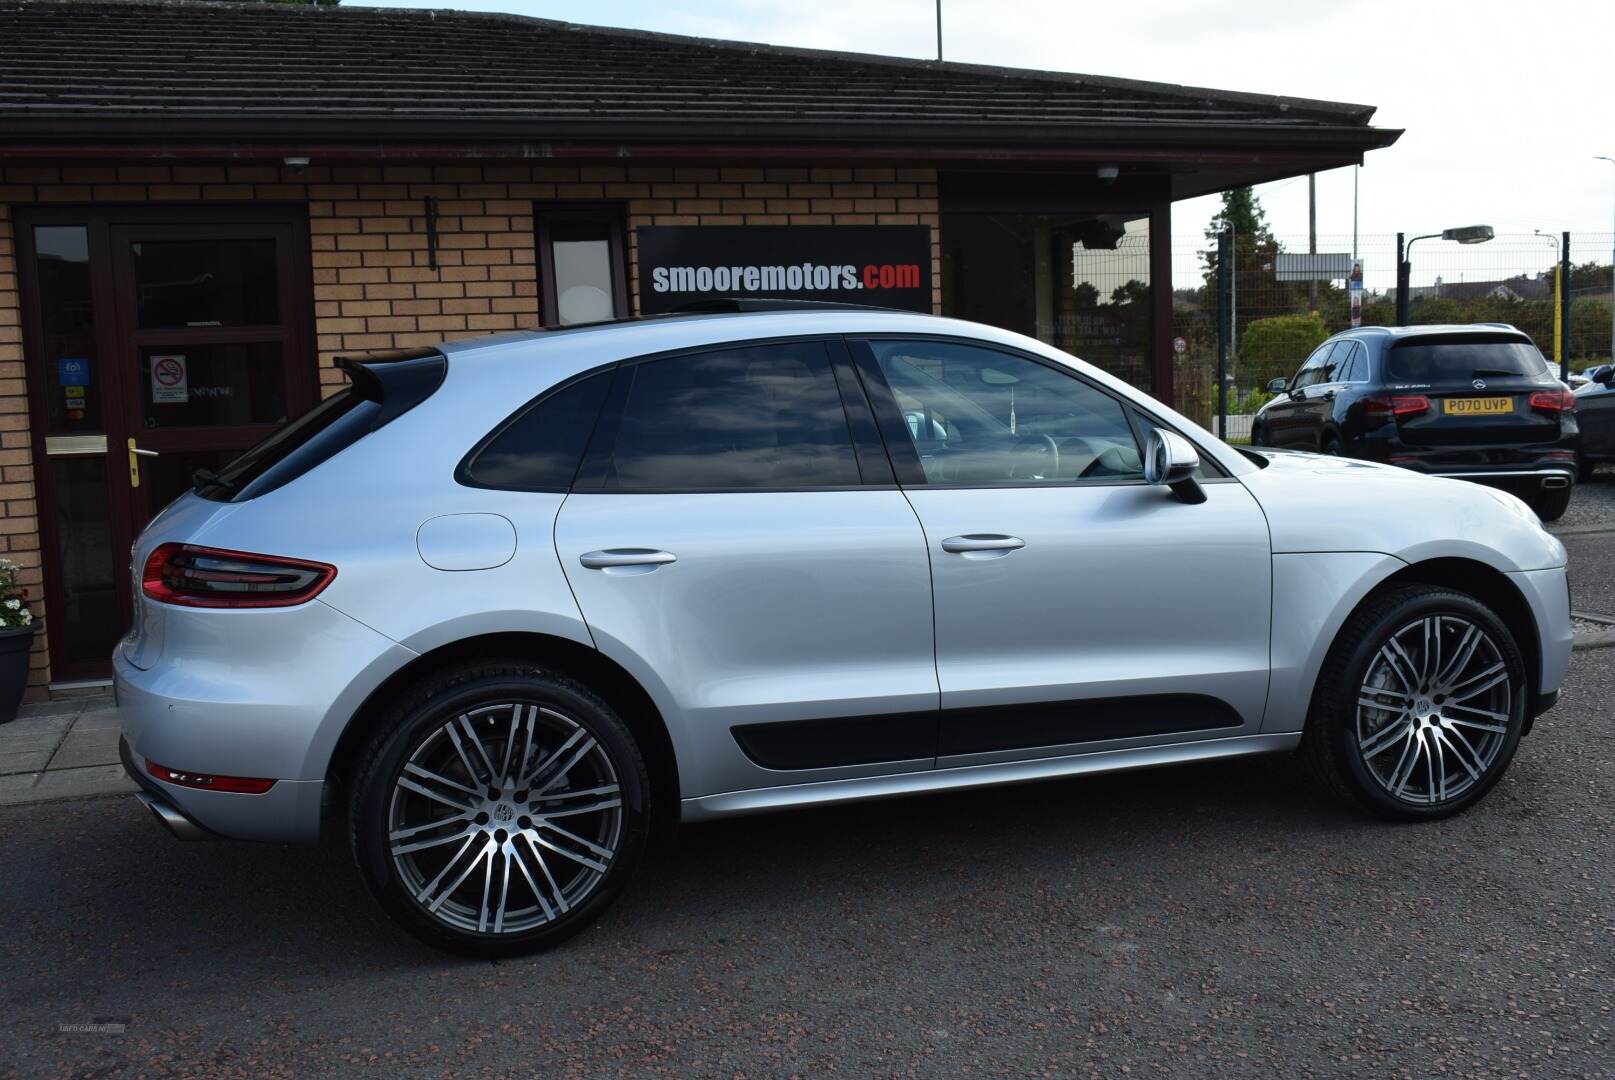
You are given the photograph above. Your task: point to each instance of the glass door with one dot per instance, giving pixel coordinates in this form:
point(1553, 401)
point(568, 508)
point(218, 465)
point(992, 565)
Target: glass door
point(158, 341)
point(211, 358)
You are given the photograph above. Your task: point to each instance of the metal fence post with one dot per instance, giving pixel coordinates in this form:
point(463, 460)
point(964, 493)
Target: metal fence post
point(1564, 312)
point(1225, 325)
point(1402, 276)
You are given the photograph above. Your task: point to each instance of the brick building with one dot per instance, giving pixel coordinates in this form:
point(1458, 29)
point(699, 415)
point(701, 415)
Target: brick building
point(202, 205)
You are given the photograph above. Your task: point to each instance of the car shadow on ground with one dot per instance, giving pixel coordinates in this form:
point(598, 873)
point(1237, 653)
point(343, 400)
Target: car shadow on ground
point(226, 901)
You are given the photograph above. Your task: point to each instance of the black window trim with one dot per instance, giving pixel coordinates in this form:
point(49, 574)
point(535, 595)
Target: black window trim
point(900, 444)
point(869, 453)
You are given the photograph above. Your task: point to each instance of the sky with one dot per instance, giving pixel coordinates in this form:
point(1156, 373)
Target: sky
point(1505, 105)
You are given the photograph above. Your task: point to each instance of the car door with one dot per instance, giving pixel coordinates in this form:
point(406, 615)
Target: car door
point(735, 541)
point(1282, 418)
point(1077, 608)
point(1318, 401)
point(1304, 420)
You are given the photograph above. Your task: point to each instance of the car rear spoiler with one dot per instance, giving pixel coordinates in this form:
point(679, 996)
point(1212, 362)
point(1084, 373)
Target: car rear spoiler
point(397, 381)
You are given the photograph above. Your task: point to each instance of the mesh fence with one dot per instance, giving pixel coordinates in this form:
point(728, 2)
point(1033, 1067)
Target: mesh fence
point(1277, 323)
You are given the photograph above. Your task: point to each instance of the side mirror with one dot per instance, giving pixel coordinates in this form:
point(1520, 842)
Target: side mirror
point(1171, 461)
point(1604, 374)
point(1278, 386)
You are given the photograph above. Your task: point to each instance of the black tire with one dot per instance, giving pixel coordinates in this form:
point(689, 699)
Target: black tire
point(1551, 505)
point(1333, 742)
point(503, 700)
point(1331, 445)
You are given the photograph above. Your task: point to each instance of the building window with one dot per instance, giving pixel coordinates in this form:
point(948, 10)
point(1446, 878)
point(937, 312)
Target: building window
point(582, 263)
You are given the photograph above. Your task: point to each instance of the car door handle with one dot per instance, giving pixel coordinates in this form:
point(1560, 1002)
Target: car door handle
point(974, 542)
point(614, 557)
point(1328, 395)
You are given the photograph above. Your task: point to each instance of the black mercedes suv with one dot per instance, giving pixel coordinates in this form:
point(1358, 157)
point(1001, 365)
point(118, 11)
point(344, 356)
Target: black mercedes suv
point(1478, 402)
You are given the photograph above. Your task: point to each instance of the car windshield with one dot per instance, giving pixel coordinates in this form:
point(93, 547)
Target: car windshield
point(1455, 360)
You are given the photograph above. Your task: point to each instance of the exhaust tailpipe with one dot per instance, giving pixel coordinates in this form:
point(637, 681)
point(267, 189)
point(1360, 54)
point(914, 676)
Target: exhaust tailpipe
point(1555, 483)
point(177, 823)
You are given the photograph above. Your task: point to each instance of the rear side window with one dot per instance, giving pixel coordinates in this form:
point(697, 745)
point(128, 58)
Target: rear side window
point(754, 418)
point(1434, 361)
point(539, 448)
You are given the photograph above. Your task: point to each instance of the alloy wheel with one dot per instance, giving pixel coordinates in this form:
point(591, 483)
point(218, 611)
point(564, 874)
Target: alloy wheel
point(505, 818)
point(1434, 710)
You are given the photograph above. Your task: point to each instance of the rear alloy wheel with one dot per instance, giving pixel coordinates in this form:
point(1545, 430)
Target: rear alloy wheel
point(1551, 505)
point(1421, 704)
point(502, 813)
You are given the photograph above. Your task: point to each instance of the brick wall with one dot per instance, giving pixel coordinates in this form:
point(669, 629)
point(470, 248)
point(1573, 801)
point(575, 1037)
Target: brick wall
point(373, 288)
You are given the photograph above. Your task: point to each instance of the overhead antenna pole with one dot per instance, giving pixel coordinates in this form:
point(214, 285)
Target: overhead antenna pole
point(939, 29)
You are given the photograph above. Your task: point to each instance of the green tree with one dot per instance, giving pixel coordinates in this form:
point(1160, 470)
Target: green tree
point(1274, 347)
point(304, 3)
point(1257, 290)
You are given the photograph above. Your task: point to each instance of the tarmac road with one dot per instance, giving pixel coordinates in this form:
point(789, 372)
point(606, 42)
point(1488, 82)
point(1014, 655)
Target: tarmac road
point(1173, 923)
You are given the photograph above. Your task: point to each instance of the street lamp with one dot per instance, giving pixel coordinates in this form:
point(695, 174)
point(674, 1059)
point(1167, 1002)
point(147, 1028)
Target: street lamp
point(1611, 160)
point(1463, 234)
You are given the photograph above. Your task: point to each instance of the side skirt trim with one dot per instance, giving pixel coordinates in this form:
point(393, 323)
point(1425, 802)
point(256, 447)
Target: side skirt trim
point(860, 789)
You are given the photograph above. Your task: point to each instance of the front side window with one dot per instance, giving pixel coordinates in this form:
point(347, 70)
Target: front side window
point(752, 418)
point(980, 417)
point(1312, 371)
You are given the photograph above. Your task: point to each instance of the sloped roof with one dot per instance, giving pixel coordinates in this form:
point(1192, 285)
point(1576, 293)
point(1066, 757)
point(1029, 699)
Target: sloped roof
point(132, 70)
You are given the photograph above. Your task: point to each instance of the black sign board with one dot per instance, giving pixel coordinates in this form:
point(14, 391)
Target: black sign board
point(880, 265)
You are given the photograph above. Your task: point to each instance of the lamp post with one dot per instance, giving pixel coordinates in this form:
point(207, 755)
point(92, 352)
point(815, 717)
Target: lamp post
point(1611, 160)
point(1463, 234)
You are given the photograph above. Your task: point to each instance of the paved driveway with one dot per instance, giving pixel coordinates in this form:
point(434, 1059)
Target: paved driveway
point(1214, 918)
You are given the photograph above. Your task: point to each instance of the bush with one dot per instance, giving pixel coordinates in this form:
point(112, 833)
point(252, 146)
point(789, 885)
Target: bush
point(1275, 347)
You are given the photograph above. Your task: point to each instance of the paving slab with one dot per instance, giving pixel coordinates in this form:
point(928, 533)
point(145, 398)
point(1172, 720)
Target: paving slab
point(83, 746)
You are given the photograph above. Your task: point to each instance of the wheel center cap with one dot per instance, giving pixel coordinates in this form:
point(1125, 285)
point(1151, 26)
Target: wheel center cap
point(504, 812)
point(1423, 708)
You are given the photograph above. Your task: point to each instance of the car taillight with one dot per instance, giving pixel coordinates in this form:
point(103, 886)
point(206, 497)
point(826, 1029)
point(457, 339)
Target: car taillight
point(1553, 401)
point(238, 785)
point(1384, 407)
point(194, 576)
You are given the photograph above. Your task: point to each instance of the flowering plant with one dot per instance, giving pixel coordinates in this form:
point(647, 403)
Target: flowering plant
point(14, 613)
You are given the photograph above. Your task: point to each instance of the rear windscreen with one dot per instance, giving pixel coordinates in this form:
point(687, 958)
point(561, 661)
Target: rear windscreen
point(1453, 360)
point(337, 422)
point(383, 389)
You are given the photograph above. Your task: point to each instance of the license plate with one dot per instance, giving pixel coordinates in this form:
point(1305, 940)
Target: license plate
point(1477, 406)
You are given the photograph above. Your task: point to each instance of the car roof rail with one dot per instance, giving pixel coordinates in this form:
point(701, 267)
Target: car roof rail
point(732, 305)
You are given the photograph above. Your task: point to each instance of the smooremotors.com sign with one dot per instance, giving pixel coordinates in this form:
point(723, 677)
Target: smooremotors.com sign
point(879, 265)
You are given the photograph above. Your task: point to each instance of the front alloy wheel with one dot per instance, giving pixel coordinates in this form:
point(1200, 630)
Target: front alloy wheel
point(1420, 705)
point(1433, 712)
point(502, 813)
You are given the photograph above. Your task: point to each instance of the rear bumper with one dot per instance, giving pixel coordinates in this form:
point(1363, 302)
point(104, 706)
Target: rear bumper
point(1550, 478)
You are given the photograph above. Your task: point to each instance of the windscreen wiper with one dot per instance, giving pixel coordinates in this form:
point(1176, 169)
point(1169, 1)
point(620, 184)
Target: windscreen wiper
point(1478, 372)
point(209, 478)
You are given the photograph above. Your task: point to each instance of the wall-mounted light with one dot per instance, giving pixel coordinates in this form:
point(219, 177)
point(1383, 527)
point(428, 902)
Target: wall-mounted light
point(296, 162)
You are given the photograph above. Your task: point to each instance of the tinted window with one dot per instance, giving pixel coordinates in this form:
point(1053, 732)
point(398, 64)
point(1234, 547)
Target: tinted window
point(978, 416)
point(1312, 369)
point(540, 448)
point(1352, 369)
point(325, 430)
point(761, 417)
point(1453, 360)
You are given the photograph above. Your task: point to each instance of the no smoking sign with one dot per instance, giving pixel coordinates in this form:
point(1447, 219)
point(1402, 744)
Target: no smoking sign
point(169, 380)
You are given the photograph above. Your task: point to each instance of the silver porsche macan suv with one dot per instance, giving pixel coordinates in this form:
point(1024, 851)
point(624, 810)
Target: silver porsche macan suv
point(499, 608)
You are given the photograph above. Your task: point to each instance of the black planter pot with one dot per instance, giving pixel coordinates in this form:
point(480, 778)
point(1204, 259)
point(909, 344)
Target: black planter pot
point(15, 645)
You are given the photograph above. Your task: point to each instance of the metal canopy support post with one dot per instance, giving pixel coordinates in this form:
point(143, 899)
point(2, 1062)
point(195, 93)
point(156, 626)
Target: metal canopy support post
point(1225, 325)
